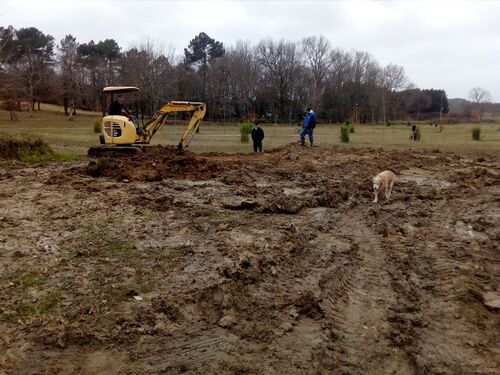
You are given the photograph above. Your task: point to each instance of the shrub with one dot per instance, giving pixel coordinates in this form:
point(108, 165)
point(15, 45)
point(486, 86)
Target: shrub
point(66, 156)
point(348, 124)
point(97, 126)
point(387, 123)
point(418, 135)
point(24, 147)
point(30, 149)
point(344, 133)
point(476, 133)
point(245, 131)
point(246, 128)
point(245, 138)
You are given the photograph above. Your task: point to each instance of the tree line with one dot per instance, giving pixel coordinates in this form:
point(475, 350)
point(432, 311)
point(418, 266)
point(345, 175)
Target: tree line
point(272, 80)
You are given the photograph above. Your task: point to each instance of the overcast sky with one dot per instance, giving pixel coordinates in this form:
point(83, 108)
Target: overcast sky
point(451, 45)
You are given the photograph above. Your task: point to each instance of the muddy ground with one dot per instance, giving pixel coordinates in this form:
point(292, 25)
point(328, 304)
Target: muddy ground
point(277, 263)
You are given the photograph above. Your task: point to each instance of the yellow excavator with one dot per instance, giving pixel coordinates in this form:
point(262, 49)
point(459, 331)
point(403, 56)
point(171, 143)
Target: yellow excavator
point(120, 136)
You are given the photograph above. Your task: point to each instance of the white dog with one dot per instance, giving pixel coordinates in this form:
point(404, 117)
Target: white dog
point(383, 182)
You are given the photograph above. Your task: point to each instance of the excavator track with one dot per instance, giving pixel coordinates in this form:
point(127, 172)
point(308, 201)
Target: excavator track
point(115, 151)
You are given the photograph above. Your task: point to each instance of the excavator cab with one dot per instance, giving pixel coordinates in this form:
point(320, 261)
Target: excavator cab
point(118, 129)
point(121, 136)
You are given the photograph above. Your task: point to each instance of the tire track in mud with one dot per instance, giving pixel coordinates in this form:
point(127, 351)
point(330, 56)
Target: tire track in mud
point(346, 280)
point(435, 319)
point(181, 351)
point(357, 298)
point(302, 338)
point(291, 298)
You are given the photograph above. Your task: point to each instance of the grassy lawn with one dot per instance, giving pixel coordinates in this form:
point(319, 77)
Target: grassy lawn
point(76, 136)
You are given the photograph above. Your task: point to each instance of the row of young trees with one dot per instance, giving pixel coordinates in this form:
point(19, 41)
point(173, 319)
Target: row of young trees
point(273, 79)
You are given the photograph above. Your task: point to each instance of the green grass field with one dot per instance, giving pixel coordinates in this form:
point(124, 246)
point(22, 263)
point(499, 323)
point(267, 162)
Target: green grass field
point(77, 135)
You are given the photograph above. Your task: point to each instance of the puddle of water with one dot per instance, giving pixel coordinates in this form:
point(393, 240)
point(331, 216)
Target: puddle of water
point(293, 191)
point(465, 230)
point(424, 180)
point(262, 184)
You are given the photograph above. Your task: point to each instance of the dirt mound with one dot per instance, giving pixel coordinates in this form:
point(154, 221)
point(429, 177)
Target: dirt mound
point(21, 147)
point(157, 163)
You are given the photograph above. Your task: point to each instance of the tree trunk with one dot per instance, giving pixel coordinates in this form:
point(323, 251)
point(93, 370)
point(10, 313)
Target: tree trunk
point(32, 100)
point(204, 77)
point(65, 104)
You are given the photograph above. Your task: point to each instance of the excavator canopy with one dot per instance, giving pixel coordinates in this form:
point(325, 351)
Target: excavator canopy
point(120, 89)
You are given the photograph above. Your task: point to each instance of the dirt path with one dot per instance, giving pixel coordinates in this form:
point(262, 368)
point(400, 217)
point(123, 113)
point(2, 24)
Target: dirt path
point(240, 264)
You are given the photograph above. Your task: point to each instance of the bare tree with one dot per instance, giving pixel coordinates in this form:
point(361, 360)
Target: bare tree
point(316, 55)
point(147, 67)
point(68, 64)
point(243, 79)
point(219, 94)
point(340, 69)
point(360, 61)
point(156, 73)
point(337, 81)
point(10, 88)
point(33, 55)
point(479, 96)
point(280, 65)
point(99, 61)
point(394, 77)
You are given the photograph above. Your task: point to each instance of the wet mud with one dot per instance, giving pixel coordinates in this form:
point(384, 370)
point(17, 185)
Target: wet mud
point(275, 263)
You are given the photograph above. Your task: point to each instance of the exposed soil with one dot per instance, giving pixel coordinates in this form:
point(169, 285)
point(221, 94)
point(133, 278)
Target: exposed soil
point(157, 163)
point(276, 263)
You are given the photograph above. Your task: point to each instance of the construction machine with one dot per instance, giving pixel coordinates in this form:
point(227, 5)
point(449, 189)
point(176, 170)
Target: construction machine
point(121, 136)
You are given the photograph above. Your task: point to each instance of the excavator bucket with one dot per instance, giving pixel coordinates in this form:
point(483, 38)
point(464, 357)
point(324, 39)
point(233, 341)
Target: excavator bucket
point(179, 149)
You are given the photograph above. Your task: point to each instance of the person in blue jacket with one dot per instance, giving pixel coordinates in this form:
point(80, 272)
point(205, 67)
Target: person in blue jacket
point(309, 125)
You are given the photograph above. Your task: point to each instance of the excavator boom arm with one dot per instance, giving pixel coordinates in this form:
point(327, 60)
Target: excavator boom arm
point(191, 127)
point(198, 108)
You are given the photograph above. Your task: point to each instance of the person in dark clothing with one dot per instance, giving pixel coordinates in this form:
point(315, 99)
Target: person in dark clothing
point(413, 135)
point(257, 137)
point(117, 108)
